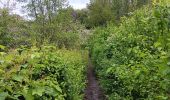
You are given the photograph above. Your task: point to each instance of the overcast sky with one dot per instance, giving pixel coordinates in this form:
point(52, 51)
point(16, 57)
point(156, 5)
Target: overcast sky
point(76, 4)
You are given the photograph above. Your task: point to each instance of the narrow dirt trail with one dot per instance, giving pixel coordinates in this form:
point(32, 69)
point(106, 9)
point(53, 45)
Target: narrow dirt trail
point(93, 90)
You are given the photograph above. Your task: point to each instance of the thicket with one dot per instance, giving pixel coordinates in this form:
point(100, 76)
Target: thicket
point(101, 12)
point(47, 74)
point(42, 58)
point(132, 59)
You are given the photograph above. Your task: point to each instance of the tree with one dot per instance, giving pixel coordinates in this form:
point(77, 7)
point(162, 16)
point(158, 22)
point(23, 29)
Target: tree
point(82, 15)
point(103, 11)
point(53, 21)
point(4, 31)
point(13, 29)
point(99, 12)
point(43, 14)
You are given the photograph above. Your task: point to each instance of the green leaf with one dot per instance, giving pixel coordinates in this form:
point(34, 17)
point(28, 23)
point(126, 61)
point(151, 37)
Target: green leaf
point(51, 91)
point(18, 78)
point(27, 93)
point(2, 71)
point(3, 95)
point(2, 53)
point(109, 70)
point(2, 47)
point(162, 98)
point(58, 88)
point(38, 91)
point(1, 61)
point(32, 56)
point(9, 88)
point(168, 63)
point(137, 72)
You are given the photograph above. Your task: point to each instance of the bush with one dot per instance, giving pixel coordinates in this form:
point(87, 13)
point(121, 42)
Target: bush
point(45, 73)
point(132, 58)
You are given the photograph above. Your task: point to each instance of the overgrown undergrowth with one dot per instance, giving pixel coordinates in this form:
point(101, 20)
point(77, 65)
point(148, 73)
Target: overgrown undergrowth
point(46, 74)
point(132, 60)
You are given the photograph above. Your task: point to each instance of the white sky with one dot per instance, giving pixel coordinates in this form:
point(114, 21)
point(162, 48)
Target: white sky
point(76, 4)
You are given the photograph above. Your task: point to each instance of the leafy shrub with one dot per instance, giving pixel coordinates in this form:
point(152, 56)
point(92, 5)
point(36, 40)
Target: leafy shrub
point(45, 73)
point(132, 58)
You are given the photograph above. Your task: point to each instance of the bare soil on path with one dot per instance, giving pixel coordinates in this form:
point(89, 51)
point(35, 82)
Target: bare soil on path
point(93, 90)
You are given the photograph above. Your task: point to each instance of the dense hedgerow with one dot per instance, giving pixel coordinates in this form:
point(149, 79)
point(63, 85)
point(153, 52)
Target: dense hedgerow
point(132, 60)
point(42, 74)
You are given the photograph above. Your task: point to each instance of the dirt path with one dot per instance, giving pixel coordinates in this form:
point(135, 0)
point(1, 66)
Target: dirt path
point(93, 90)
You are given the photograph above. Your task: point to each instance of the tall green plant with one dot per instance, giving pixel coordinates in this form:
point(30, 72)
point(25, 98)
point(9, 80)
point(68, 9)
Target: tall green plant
point(132, 59)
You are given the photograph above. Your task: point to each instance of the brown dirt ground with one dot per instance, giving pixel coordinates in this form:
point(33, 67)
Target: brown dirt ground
point(93, 90)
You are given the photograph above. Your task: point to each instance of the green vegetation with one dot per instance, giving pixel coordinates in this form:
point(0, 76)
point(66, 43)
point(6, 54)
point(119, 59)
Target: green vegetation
point(45, 58)
point(43, 74)
point(41, 59)
point(132, 59)
point(103, 11)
